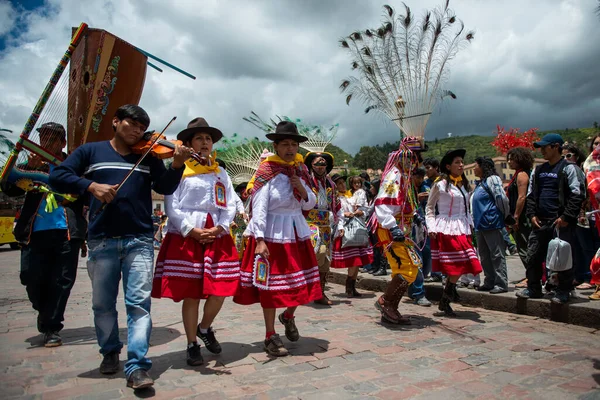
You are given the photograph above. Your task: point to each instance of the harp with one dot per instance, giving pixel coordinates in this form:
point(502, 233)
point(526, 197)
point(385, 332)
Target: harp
point(104, 72)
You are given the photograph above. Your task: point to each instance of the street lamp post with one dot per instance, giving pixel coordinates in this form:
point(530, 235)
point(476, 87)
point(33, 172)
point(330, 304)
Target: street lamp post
point(346, 167)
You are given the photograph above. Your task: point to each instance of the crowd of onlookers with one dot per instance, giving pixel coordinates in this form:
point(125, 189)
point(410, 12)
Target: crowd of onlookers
point(531, 209)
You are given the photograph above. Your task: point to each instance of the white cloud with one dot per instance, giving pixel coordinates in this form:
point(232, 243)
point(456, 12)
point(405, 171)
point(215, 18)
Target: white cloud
point(531, 63)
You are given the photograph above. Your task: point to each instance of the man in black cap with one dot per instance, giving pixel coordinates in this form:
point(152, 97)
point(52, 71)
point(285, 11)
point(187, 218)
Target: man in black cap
point(324, 214)
point(51, 231)
point(556, 193)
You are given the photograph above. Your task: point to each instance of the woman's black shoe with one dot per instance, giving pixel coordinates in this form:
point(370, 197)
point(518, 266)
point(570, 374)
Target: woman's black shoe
point(194, 356)
point(209, 340)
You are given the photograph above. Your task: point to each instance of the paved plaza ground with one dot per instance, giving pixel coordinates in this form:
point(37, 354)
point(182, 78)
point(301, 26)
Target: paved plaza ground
point(344, 353)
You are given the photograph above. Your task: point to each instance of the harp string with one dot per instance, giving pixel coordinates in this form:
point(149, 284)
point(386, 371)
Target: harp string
point(56, 110)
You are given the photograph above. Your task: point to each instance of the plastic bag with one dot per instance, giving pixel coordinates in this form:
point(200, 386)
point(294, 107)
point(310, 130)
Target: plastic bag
point(356, 233)
point(559, 257)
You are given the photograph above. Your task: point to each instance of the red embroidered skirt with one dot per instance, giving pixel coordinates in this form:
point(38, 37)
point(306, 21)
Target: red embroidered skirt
point(292, 279)
point(350, 256)
point(187, 269)
point(454, 255)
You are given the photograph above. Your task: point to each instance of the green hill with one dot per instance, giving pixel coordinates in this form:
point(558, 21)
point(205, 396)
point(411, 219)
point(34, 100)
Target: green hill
point(375, 156)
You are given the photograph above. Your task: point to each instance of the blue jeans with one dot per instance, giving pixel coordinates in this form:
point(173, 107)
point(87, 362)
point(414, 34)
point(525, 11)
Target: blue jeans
point(133, 258)
point(416, 289)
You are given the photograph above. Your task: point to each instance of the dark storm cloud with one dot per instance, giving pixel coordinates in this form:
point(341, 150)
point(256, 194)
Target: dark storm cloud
point(532, 64)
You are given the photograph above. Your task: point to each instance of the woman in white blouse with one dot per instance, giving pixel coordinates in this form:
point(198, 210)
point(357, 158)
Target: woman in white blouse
point(353, 204)
point(279, 268)
point(198, 259)
point(452, 251)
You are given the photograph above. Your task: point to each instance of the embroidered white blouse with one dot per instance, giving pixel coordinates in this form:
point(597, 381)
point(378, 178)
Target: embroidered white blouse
point(194, 200)
point(358, 201)
point(277, 215)
point(454, 216)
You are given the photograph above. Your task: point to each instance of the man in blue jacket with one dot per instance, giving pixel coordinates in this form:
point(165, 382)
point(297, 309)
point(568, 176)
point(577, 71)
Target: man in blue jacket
point(120, 237)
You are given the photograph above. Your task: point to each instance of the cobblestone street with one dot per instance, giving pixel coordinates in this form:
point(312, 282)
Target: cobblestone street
point(344, 352)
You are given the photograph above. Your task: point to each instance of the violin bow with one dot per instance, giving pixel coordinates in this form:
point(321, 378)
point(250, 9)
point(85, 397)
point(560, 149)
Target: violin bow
point(138, 163)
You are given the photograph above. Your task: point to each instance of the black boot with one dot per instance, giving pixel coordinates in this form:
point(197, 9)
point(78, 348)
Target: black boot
point(351, 287)
point(447, 296)
point(355, 293)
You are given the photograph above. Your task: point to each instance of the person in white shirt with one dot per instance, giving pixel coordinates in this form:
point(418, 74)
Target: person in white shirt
point(198, 259)
point(279, 268)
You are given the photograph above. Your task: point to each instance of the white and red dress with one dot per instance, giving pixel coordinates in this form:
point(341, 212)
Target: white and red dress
point(351, 256)
point(292, 278)
point(186, 268)
point(452, 251)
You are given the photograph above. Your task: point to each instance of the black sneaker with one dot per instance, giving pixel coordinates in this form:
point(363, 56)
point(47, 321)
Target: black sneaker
point(560, 298)
point(110, 363)
point(52, 339)
point(291, 331)
point(139, 379)
point(194, 356)
point(209, 340)
point(528, 294)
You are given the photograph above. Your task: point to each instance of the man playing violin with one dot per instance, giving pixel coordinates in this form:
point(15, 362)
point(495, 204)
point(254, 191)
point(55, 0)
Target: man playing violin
point(120, 235)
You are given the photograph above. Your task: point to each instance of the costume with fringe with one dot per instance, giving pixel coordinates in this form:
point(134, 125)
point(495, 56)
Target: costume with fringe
point(396, 205)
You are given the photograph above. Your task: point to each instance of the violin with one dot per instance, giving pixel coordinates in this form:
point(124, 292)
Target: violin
point(160, 147)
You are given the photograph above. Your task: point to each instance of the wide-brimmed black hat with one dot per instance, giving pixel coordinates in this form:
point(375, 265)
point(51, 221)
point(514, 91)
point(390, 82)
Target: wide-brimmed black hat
point(449, 157)
point(286, 130)
point(53, 127)
point(337, 177)
point(310, 157)
point(240, 187)
point(199, 125)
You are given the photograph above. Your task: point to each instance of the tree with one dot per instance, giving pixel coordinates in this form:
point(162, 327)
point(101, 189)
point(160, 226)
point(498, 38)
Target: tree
point(403, 65)
point(370, 157)
point(595, 124)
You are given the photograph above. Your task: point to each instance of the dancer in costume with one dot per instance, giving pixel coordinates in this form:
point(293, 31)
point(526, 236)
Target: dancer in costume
point(323, 215)
point(450, 227)
point(353, 204)
point(395, 208)
point(279, 268)
point(198, 259)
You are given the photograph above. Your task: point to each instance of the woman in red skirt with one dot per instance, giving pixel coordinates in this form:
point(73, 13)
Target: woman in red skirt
point(452, 250)
point(353, 204)
point(279, 268)
point(198, 259)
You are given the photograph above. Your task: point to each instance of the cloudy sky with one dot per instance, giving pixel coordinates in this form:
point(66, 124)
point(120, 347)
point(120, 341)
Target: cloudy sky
point(533, 63)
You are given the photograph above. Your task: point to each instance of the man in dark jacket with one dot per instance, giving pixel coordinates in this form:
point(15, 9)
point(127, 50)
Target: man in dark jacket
point(120, 234)
point(556, 193)
point(51, 238)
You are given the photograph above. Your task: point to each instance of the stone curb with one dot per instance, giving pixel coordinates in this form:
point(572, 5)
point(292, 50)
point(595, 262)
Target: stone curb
point(576, 312)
